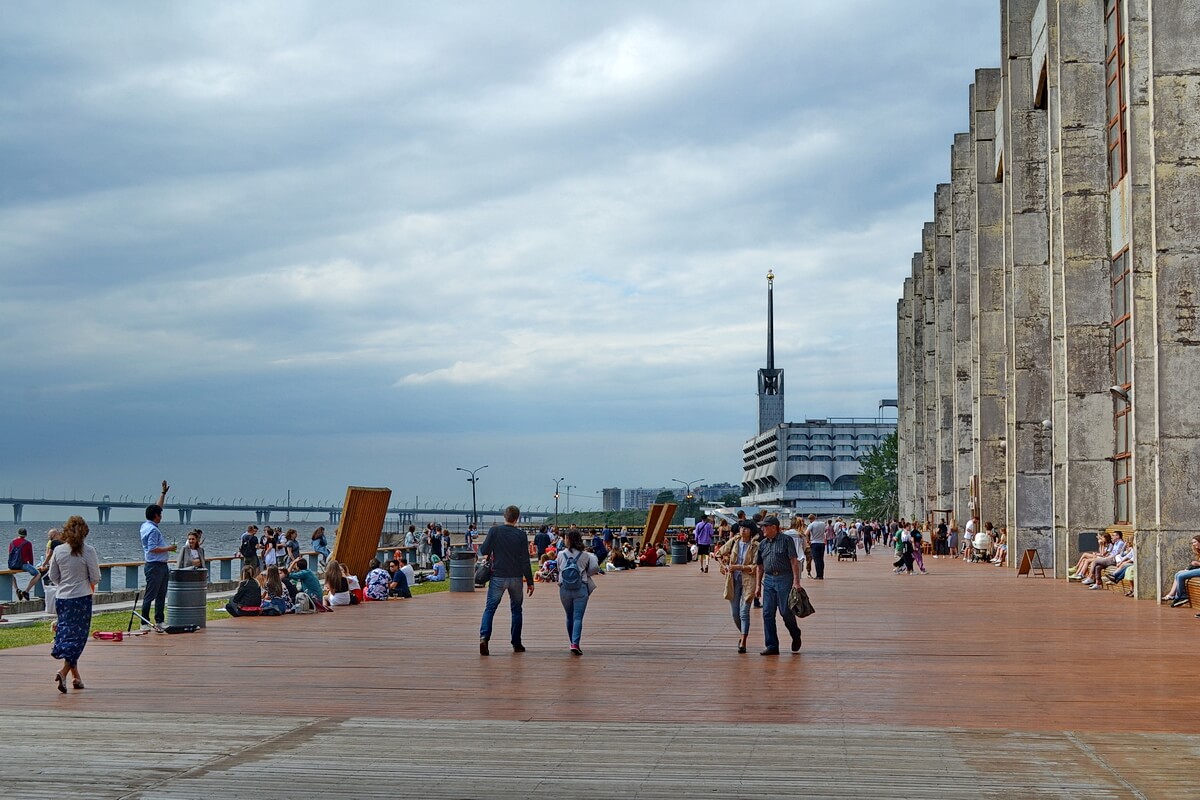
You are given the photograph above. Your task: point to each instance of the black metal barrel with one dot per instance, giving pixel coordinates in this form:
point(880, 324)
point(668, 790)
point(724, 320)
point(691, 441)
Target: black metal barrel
point(679, 552)
point(187, 597)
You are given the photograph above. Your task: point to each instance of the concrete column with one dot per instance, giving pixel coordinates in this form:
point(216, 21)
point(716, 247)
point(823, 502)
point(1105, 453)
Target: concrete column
point(906, 403)
point(962, 161)
point(1079, 258)
point(928, 453)
point(1027, 306)
point(943, 225)
point(1164, 108)
point(988, 349)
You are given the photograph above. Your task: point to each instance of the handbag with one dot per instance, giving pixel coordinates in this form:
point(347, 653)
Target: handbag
point(800, 604)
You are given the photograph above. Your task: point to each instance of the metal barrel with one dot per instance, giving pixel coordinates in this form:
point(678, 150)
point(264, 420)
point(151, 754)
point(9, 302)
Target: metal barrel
point(679, 552)
point(462, 571)
point(187, 597)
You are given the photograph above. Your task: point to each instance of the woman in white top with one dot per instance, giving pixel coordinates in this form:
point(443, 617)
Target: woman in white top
point(192, 556)
point(337, 587)
point(574, 594)
point(75, 571)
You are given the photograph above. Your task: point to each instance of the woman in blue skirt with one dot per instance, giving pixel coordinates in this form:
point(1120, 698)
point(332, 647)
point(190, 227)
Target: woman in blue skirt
point(75, 571)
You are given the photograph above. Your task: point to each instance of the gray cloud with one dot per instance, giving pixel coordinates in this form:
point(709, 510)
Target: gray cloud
point(362, 237)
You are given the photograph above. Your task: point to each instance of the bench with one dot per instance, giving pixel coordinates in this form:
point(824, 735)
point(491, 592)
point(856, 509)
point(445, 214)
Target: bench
point(1126, 585)
point(1193, 592)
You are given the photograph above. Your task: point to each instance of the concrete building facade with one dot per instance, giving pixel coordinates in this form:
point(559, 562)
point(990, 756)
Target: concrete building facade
point(1049, 336)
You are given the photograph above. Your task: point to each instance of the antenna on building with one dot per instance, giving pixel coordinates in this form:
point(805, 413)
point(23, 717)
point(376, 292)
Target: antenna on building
point(770, 320)
point(770, 380)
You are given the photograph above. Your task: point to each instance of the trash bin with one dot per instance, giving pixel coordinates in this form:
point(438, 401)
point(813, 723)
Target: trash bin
point(679, 552)
point(462, 571)
point(187, 597)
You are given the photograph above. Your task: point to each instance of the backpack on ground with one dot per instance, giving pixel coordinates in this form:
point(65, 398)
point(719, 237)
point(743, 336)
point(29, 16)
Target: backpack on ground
point(571, 576)
point(304, 604)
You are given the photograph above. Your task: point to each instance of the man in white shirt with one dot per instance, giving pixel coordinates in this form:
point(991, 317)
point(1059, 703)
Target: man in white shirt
point(817, 533)
point(409, 573)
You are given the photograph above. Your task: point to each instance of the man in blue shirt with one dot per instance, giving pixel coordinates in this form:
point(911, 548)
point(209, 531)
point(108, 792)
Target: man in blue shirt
point(156, 551)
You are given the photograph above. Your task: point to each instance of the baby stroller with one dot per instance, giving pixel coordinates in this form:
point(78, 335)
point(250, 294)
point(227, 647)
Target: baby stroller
point(548, 573)
point(847, 548)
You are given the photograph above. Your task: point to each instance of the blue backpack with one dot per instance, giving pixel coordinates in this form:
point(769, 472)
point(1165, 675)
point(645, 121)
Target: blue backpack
point(571, 576)
point(14, 555)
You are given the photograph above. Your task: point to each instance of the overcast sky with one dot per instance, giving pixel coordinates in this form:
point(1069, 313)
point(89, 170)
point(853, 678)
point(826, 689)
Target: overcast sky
point(258, 246)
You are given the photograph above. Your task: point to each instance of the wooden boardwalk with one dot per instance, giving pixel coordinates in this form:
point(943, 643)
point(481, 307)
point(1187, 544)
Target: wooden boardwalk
point(967, 682)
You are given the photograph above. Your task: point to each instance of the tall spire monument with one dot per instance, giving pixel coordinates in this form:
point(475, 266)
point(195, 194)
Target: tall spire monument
point(770, 380)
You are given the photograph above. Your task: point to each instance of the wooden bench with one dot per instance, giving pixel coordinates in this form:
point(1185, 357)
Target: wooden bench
point(1193, 592)
point(1126, 585)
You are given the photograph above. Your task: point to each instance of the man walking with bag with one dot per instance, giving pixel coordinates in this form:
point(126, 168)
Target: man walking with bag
point(778, 572)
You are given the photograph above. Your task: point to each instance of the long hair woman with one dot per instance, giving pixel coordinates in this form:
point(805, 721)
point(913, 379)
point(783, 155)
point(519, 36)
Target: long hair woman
point(738, 564)
point(75, 571)
point(575, 597)
point(337, 588)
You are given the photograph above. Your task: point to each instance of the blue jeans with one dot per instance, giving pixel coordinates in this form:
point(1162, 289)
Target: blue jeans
point(740, 607)
point(775, 591)
point(574, 602)
point(818, 559)
point(1181, 579)
point(496, 589)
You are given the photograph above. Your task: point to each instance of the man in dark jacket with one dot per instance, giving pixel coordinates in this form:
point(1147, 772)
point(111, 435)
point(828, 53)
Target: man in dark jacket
point(509, 550)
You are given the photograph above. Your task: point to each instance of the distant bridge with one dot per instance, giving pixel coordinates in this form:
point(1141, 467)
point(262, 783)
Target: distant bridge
point(261, 509)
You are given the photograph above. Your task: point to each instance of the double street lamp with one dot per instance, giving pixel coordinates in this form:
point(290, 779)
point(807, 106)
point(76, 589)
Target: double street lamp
point(472, 480)
point(687, 485)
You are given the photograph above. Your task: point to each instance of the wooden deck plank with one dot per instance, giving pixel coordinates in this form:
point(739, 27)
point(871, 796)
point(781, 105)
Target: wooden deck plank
point(968, 645)
point(165, 756)
point(965, 682)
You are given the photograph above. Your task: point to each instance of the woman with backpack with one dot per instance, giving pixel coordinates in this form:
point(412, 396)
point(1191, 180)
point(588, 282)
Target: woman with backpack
point(576, 567)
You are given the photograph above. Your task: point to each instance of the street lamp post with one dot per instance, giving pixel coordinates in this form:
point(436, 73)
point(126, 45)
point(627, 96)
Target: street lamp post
point(472, 480)
point(687, 485)
point(569, 488)
point(557, 482)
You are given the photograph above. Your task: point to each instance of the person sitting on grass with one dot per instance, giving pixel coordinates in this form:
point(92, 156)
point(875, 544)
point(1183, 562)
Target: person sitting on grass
point(247, 600)
point(397, 580)
point(303, 578)
point(439, 570)
point(275, 600)
point(377, 581)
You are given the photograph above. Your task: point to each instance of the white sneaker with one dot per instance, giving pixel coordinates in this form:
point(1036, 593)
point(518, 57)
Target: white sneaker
point(144, 627)
point(1088, 581)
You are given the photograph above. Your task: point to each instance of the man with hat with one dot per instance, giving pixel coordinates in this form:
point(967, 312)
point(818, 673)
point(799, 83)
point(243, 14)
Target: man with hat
point(777, 573)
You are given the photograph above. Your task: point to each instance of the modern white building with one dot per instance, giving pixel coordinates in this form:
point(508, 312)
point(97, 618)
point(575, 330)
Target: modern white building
point(811, 466)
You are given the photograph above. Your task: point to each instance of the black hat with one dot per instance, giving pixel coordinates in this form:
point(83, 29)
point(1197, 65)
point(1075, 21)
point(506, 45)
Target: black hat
point(772, 520)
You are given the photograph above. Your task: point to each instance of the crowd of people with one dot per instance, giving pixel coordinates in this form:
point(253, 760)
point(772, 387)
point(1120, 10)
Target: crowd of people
point(295, 588)
point(762, 565)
